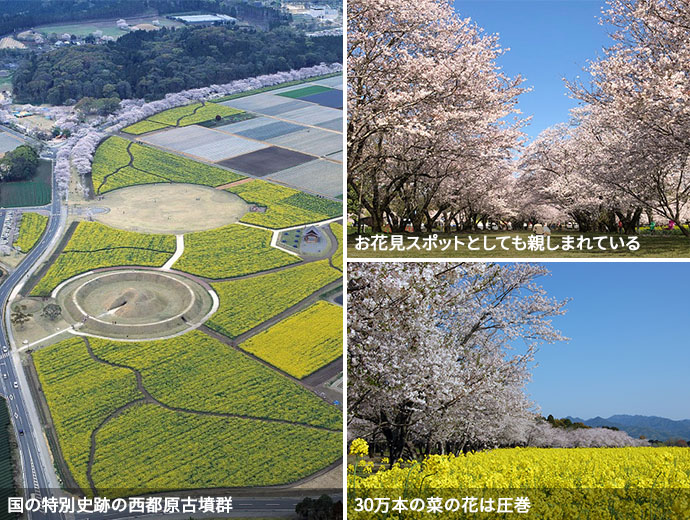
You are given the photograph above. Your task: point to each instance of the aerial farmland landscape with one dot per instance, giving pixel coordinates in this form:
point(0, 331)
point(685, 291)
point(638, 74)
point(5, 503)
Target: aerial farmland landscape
point(172, 272)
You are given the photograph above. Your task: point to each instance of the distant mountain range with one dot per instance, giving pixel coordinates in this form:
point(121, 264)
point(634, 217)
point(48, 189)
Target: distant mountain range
point(651, 427)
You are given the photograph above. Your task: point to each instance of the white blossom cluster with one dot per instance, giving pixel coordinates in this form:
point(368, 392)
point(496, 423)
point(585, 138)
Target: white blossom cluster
point(133, 110)
point(86, 136)
point(439, 354)
point(544, 435)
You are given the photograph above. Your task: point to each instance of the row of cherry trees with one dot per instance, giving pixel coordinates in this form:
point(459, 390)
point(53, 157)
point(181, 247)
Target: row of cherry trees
point(431, 119)
point(76, 154)
point(625, 153)
point(439, 355)
point(434, 136)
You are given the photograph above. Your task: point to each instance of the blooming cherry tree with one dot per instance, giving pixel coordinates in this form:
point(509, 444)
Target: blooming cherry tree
point(431, 364)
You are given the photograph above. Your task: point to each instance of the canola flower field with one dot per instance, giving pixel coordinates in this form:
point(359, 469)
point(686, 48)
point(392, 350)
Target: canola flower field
point(286, 207)
point(229, 251)
point(143, 127)
point(302, 343)
point(94, 245)
point(208, 414)
point(202, 451)
point(195, 371)
point(192, 114)
point(80, 393)
point(113, 167)
point(181, 116)
point(592, 483)
point(248, 302)
point(30, 230)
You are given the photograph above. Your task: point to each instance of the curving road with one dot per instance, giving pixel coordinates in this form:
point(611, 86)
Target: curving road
point(38, 473)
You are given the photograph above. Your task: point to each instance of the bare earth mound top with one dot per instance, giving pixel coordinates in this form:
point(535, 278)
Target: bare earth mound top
point(134, 303)
point(169, 208)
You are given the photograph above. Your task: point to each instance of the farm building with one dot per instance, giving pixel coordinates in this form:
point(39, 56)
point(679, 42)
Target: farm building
point(205, 19)
point(323, 13)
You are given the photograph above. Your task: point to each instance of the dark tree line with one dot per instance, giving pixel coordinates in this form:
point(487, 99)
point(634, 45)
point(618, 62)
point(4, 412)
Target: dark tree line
point(19, 164)
point(151, 64)
point(16, 15)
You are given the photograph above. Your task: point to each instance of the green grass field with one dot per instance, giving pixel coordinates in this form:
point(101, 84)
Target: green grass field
point(286, 207)
point(248, 302)
point(82, 29)
point(273, 87)
point(30, 230)
point(34, 192)
point(112, 167)
point(659, 246)
point(302, 343)
point(193, 444)
point(94, 245)
point(305, 91)
point(233, 250)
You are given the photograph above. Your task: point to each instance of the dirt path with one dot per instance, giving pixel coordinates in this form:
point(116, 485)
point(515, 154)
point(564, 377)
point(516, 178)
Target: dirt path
point(177, 123)
point(131, 160)
point(130, 164)
point(234, 183)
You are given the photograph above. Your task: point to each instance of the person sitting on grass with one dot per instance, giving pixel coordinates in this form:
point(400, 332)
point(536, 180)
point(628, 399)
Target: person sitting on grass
point(538, 229)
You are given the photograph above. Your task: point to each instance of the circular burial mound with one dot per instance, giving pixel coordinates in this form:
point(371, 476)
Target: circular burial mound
point(135, 303)
point(169, 208)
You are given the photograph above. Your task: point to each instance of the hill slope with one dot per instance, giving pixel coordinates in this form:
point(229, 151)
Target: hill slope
point(651, 427)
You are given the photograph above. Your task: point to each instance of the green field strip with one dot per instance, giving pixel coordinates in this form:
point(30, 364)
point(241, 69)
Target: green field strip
point(274, 87)
point(7, 469)
point(303, 92)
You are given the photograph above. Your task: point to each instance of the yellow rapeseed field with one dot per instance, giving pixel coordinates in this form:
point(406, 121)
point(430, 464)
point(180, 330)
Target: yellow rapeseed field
point(592, 483)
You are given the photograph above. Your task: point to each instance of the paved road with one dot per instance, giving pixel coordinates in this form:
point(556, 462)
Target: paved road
point(39, 476)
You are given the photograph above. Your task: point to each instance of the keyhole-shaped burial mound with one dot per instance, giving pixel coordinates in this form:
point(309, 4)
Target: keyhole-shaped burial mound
point(135, 303)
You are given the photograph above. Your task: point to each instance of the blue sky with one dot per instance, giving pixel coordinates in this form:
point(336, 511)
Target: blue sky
point(549, 40)
point(629, 350)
